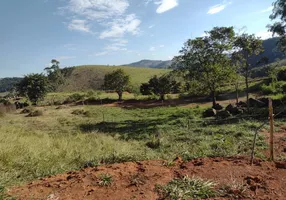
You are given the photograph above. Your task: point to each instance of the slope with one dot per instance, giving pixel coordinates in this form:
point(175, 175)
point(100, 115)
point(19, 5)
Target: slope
point(91, 76)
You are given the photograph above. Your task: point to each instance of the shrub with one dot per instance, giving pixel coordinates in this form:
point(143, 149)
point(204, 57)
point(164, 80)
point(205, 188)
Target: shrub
point(76, 97)
point(281, 75)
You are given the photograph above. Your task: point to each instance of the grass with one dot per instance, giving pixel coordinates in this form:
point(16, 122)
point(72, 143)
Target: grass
point(186, 188)
point(85, 77)
point(60, 141)
point(105, 180)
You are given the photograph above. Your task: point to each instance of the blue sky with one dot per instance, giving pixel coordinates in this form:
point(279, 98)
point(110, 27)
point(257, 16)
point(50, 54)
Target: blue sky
point(114, 32)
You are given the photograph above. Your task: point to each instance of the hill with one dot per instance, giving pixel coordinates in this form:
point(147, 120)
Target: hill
point(91, 77)
point(6, 84)
point(151, 64)
point(270, 51)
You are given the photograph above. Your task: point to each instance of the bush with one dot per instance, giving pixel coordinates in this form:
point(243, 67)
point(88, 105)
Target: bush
point(281, 75)
point(274, 88)
point(76, 97)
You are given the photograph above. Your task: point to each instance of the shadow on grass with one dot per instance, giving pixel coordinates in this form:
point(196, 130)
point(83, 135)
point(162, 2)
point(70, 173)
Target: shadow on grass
point(133, 129)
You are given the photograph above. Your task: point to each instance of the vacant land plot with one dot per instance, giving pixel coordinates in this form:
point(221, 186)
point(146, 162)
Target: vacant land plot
point(66, 138)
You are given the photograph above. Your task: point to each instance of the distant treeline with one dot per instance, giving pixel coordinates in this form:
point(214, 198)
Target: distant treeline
point(7, 84)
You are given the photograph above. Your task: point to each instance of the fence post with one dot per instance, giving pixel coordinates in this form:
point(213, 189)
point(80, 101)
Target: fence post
point(271, 130)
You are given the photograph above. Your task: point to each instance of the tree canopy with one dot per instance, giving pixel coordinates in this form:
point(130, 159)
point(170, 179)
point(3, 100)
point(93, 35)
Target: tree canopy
point(160, 86)
point(118, 81)
point(34, 87)
point(205, 59)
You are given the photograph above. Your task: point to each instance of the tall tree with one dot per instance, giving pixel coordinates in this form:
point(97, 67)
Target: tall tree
point(279, 27)
point(245, 46)
point(55, 76)
point(205, 59)
point(34, 87)
point(118, 81)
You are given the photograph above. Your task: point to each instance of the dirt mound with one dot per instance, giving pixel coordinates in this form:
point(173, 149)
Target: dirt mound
point(137, 180)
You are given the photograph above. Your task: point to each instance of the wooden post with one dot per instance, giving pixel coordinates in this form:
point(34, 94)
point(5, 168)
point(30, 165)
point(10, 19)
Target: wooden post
point(271, 130)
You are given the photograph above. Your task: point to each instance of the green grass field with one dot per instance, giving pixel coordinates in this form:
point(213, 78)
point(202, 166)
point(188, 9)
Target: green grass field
point(83, 78)
point(59, 141)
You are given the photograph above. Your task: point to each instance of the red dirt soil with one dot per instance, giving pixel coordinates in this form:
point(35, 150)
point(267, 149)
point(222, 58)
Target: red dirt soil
point(137, 180)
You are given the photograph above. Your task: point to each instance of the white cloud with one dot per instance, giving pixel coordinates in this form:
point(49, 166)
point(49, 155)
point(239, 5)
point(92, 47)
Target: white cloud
point(103, 53)
point(151, 26)
point(218, 8)
point(79, 25)
point(165, 5)
point(116, 45)
point(111, 14)
point(264, 35)
point(97, 9)
point(62, 58)
point(119, 27)
point(161, 46)
point(152, 49)
point(267, 9)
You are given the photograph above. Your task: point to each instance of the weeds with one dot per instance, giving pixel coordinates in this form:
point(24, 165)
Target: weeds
point(105, 180)
point(169, 163)
point(186, 188)
point(137, 180)
point(234, 190)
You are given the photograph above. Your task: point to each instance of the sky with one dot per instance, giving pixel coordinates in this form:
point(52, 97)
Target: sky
point(113, 32)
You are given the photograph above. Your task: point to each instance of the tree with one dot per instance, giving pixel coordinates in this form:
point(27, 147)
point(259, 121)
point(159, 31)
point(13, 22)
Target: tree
point(205, 59)
point(118, 81)
point(245, 46)
point(279, 27)
point(160, 86)
point(55, 76)
point(34, 87)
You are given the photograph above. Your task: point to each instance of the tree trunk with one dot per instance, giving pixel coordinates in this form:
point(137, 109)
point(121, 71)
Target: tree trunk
point(162, 97)
point(213, 98)
point(119, 96)
point(236, 89)
point(247, 90)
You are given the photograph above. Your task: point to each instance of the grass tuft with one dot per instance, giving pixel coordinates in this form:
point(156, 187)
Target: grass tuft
point(186, 188)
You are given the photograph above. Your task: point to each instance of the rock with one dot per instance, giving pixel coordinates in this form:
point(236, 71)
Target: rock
point(223, 114)
point(237, 111)
point(264, 100)
point(234, 110)
point(209, 113)
point(218, 107)
point(229, 108)
point(241, 104)
point(256, 103)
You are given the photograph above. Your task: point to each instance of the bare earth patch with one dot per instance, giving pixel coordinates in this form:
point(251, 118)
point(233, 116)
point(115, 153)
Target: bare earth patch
point(137, 180)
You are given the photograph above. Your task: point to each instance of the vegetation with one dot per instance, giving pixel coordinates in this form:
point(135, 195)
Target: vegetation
point(278, 27)
point(54, 74)
point(60, 141)
point(186, 188)
point(85, 78)
point(246, 46)
point(204, 60)
point(117, 81)
point(160, 86)
point(7, 84)
point(34, 87)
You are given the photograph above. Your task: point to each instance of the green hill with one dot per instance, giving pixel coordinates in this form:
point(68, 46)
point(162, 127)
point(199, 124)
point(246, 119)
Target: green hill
point(82, 78)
